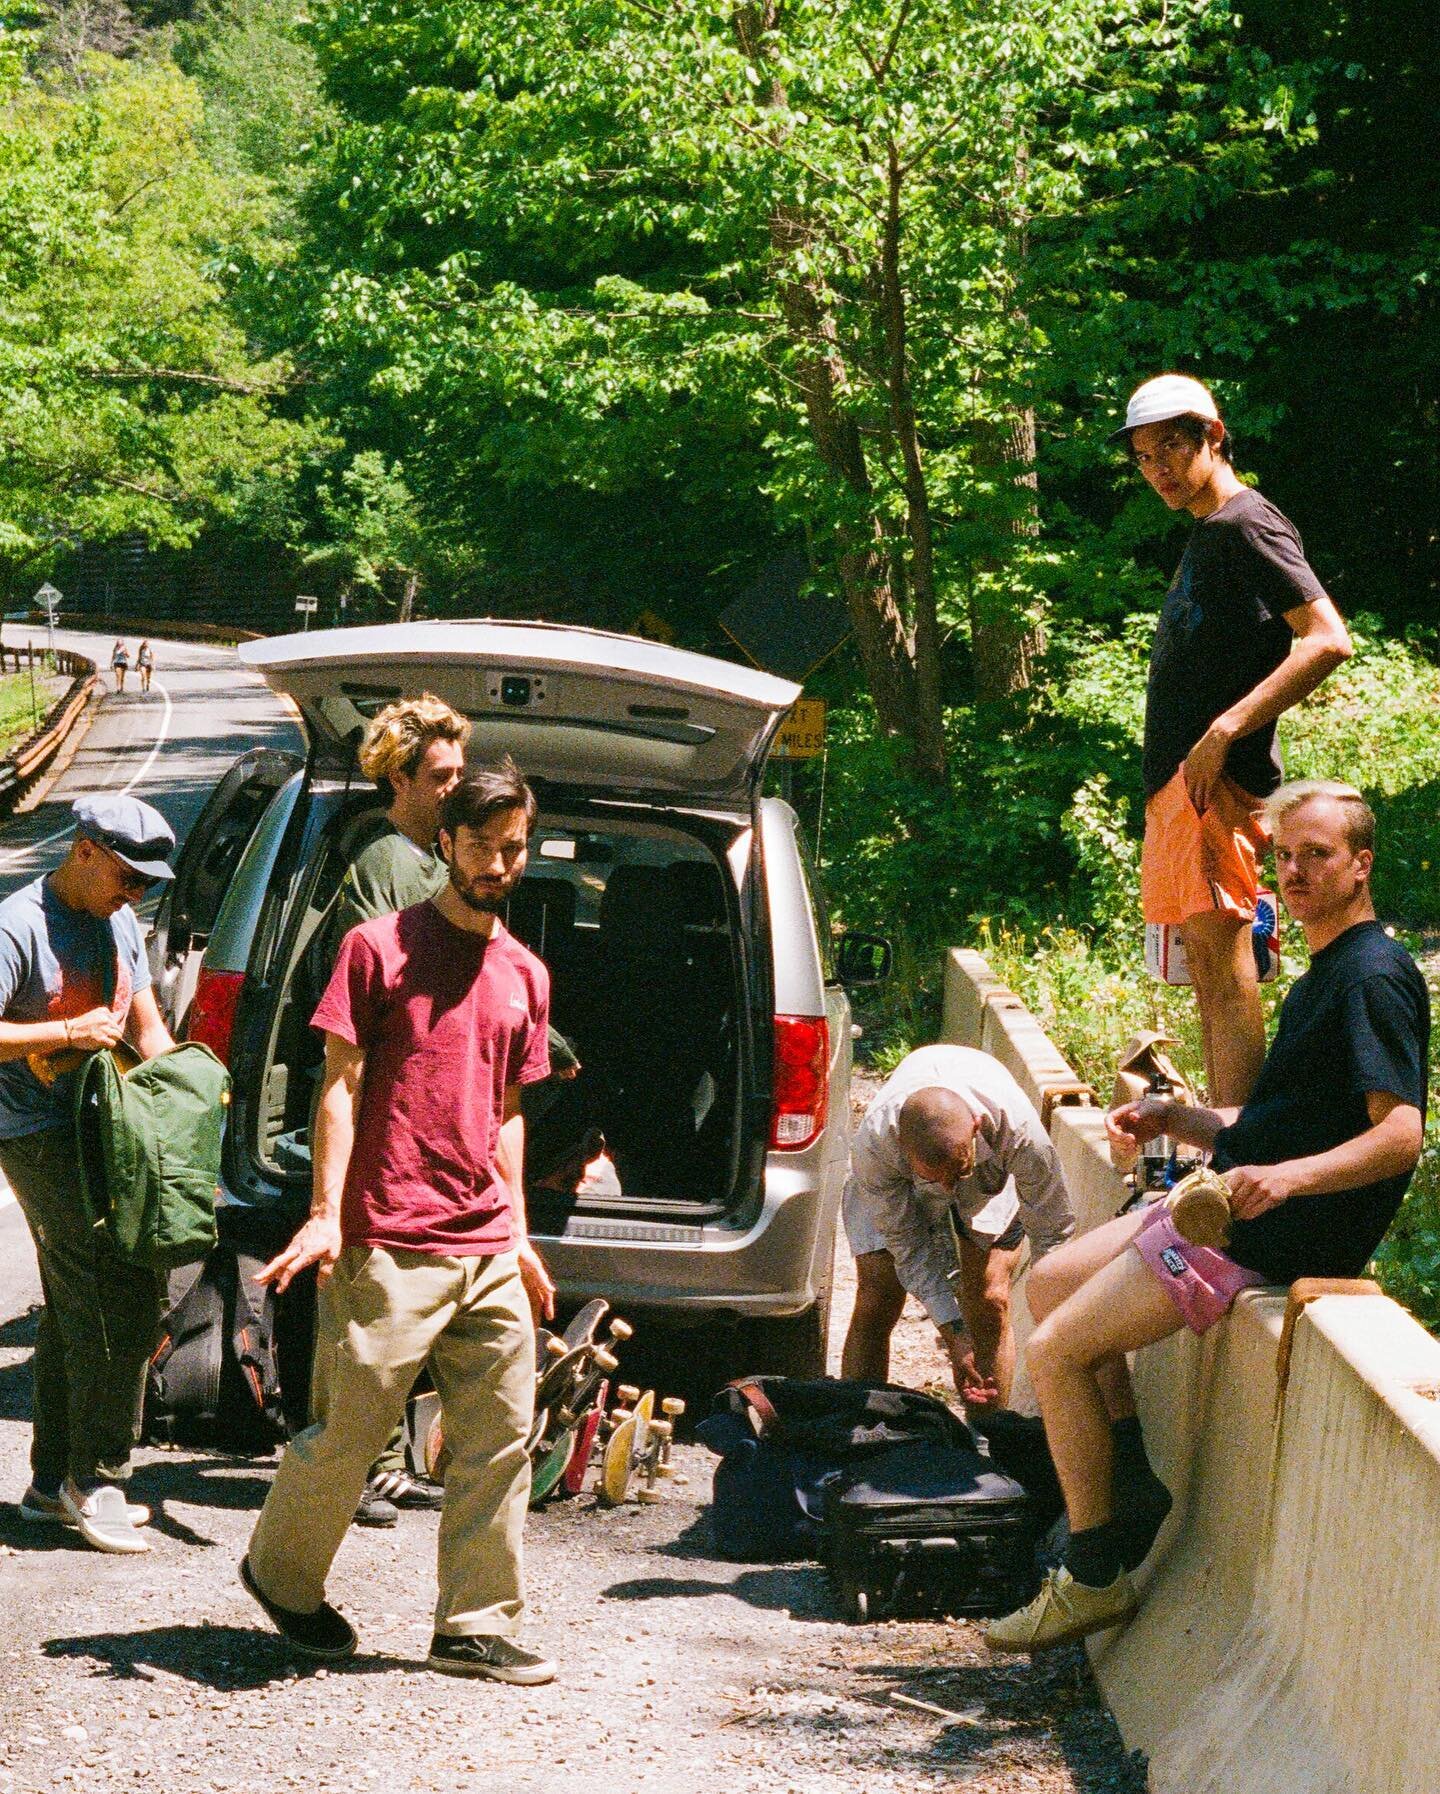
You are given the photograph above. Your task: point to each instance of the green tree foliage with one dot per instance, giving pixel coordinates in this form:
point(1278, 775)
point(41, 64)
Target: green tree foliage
point(131, 399)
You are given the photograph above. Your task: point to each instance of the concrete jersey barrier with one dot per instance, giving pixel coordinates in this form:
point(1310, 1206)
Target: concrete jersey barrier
point(1290, 1618)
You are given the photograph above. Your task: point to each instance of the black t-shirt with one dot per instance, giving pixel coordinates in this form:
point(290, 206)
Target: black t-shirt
point(1222, 630)
point(1357, 1021)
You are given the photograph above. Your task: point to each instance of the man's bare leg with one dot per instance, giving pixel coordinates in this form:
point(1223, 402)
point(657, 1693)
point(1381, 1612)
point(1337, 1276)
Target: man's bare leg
point(984, 1292)
point(879, 1302)
point(1118, 1310)
point(1227, 990)
point(1057, 1276)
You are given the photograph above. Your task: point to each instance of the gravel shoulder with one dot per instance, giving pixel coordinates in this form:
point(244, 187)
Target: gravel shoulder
point(681, 1674)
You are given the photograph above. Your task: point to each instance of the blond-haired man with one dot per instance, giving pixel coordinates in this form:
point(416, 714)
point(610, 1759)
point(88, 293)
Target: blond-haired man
point(414, 750)
point(1316, 1163)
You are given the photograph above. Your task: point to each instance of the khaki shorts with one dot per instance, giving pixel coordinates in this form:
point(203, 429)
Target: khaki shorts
point(1192, 864)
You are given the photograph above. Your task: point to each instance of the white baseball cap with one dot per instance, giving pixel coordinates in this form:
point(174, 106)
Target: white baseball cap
point(1164, 397)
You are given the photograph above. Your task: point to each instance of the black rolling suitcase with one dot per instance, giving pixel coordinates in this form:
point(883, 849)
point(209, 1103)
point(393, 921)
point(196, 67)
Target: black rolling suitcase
point(922, 1532)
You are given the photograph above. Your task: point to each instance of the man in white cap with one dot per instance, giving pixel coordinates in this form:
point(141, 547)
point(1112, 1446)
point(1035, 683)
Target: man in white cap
point(1246, 632)
point(74, 980)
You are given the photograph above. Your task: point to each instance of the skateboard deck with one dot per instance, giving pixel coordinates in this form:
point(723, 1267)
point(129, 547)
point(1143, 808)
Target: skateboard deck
point(624, 1449)
point(639, 1445)
point(586, 1434)
point(551, 1467)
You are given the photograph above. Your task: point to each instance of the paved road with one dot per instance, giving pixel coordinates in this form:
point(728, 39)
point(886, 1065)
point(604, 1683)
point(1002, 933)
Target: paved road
point(169, 748)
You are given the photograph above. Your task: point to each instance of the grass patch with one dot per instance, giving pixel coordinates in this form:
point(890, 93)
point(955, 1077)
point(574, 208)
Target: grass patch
point(16, 714)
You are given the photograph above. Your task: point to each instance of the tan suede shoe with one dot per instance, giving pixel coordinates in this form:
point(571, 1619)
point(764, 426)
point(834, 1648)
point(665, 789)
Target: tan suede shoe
point(1200, 1208)
point(1063, 1611)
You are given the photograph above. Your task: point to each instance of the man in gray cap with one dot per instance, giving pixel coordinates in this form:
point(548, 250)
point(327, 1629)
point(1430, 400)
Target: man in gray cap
point(74, 980)
point(1246, 632)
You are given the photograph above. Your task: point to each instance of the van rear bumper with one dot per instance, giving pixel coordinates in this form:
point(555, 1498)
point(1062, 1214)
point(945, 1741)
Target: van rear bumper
point(778, 1265)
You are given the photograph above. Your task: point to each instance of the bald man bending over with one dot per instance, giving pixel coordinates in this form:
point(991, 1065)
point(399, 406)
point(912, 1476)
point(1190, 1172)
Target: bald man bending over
point(950, 1172)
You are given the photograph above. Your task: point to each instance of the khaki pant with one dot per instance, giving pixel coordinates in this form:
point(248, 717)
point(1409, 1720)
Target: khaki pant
point(99, 1325)
point(383, 1312)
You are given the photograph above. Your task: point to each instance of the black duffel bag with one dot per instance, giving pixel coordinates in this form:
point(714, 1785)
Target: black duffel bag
point(782, 1440)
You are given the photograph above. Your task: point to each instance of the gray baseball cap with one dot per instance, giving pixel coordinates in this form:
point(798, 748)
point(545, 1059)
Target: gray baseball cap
point(134, 832)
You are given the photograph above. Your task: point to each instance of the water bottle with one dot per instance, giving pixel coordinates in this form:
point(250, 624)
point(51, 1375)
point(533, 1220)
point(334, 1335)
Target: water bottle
point(1155, 1154)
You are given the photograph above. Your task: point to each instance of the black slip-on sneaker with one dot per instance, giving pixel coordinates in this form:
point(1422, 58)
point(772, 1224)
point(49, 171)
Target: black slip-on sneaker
point(326, 1633)
point(501, 1659)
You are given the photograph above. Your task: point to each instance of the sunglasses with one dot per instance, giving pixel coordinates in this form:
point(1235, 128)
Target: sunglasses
point(130, 879)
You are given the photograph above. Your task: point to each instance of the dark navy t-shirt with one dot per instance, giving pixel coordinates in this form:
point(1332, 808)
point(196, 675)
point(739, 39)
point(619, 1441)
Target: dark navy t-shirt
point(1358, 1021)
point(1222, 630)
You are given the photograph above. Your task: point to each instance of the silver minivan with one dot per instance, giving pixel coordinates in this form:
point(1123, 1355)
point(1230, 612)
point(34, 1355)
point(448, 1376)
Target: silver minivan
point(691, 962)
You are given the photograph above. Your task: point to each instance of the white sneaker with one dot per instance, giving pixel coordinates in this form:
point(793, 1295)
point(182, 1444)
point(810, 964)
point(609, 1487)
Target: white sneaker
point(103, 1518)
point(41, 1509)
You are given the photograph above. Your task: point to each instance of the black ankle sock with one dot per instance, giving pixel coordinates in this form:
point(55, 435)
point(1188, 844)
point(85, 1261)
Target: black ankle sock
point(1093, 1557)
point(1127, 1441)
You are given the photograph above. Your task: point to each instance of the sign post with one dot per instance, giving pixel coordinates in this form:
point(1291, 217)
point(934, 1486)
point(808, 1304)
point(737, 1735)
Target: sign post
point(48, 600)
point(801, 737)
point(307, 607)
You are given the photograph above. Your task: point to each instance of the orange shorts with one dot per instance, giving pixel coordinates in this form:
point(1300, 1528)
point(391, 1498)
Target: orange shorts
point(1191, 864)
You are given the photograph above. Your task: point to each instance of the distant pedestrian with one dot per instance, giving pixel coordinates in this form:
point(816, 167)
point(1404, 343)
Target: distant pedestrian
point(119, 664)
point(1246, 632)
point(433, 1020)
point(74, 980)
point(145, 664)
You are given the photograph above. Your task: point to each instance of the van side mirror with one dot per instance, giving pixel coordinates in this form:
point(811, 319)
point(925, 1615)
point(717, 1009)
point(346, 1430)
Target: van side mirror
point(863, 959)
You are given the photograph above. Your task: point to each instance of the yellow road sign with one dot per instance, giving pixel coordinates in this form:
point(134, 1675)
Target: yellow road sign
point(802, 734)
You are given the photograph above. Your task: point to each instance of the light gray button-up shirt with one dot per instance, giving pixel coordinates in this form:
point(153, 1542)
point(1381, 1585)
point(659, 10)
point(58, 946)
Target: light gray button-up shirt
point(1016, 1172)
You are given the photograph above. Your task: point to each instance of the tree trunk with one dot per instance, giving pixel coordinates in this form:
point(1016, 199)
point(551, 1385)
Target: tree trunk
point(863, 560)
point(1006, 646)
point(408, 596)
point(929, 715)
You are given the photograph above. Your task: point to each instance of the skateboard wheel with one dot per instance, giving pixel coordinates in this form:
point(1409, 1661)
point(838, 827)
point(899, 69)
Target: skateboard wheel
point(607, 1361)
point(648, 1497)
point(628, 1394)
point(555, 1348)
point(621, 1331)
point(673, 1406)
point(661, 1429)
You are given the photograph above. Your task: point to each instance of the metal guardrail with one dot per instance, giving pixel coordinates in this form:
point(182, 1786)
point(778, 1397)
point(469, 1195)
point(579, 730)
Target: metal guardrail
point(31, 756)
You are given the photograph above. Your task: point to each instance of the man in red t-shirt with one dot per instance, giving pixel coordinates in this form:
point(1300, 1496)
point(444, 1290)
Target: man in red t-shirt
point(434, 1018)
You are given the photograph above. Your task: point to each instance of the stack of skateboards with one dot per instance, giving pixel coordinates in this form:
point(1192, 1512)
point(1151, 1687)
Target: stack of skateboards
point(575, 1421)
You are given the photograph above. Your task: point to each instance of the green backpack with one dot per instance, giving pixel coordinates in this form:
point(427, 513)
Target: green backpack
point(149, 1146)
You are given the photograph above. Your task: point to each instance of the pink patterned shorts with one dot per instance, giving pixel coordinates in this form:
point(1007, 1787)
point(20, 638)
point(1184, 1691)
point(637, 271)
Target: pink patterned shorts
point(1201, 1282)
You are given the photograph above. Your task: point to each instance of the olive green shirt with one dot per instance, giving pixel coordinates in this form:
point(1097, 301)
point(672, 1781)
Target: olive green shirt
point(389, 874)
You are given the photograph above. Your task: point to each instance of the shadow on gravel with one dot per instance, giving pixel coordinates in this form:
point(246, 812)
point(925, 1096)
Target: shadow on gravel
point(28, 1535)
point(226, 1658)
point(803, 1593)
point(217, 1481)
point(21, 1330)
point(1005, 1710)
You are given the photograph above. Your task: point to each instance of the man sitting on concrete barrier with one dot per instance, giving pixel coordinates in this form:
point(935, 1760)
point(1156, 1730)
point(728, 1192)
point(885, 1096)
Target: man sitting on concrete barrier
point(1315, 1165)
point(950, 1164)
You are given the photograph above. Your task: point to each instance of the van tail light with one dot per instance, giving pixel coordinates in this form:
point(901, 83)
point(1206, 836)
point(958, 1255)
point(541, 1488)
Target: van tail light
point(212, 1011)
point(802, 1081)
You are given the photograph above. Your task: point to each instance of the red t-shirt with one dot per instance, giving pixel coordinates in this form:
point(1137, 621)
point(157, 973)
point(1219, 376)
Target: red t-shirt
point(448, 1019)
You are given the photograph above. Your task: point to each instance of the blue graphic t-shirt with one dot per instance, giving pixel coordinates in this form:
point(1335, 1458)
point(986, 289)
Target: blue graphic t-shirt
point(57, 962)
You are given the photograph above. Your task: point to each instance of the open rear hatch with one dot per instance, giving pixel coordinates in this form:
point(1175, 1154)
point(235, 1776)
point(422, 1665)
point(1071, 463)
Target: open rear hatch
point(580, 709)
